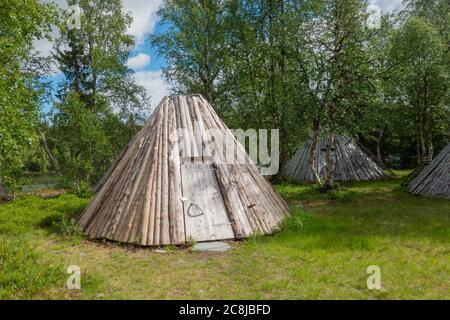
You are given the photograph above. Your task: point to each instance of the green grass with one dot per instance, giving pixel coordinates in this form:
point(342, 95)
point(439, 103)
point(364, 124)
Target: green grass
point(322, 252)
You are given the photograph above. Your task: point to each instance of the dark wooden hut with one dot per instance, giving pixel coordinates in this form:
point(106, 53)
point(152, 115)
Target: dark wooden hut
point(434, 180)
point(350, 162)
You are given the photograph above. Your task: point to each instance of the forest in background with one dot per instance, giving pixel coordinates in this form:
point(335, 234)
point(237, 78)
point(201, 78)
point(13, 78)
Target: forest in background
point(305, 67)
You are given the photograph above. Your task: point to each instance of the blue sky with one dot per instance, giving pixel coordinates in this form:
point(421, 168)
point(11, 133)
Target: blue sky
point(144, 60)
point(156, 62)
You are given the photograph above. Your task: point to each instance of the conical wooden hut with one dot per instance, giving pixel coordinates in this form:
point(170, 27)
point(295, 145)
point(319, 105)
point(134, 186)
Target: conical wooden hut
point(350, 162)
point(184, 177)
point(434, 180)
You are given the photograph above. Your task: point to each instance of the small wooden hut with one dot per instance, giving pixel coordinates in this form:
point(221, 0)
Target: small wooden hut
point(350, 162)
point(434, 180)
point(183, 177)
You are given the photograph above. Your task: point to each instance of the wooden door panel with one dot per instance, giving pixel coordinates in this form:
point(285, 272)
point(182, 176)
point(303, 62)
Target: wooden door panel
point(206, 218)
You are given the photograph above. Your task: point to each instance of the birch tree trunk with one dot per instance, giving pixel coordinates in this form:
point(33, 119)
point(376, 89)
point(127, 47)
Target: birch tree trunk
point(419, 157)
point(430, 149)
point(313, 151)
point(379, 140)
point(48, 152)
point(284, 155)
point(423, 150)
point(427, 123)
point(329, 183)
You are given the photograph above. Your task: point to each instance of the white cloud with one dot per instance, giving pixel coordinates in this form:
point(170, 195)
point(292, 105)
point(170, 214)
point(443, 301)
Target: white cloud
point(154, 83)
point(44, 47)
point(138, 62)
point(387, 5)
point(145, 17)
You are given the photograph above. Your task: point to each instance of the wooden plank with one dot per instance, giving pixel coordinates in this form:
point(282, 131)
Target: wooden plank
point(126, 221)
point(176, 213)
point(350, 162)
point(434, 180)
point(186, 147)
point(192, 146)
point(150, 189)
point(158, 195)
point(233, 208)
point(165, 223)
point(206, 218)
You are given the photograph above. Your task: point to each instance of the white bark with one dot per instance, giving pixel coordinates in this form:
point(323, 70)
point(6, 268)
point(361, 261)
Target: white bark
point(329, 183)
point(313, 151)
point(48, 152)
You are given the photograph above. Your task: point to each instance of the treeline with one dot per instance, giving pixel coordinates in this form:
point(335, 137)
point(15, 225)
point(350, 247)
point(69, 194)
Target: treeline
point(76, 129)
point(317, 66)
point(305, 67)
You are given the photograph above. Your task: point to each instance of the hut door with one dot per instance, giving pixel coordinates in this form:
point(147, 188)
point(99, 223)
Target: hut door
point(205, 215)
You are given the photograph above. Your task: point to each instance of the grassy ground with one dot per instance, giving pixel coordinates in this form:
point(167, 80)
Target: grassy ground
point(322, 252)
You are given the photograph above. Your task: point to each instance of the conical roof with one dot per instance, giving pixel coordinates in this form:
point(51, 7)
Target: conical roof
point(183, 177)
point(350, 162)
point(434, 180)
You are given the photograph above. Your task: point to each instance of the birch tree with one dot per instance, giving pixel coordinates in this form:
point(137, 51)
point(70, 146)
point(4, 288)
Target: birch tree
point(193, 46)
point(21, 22)
point(99, 104)
point(421, 82)
point(333, 52)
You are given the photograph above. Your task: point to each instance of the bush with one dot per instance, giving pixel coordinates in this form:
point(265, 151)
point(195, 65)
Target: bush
point(82, 189)
point(297, 221)
point(67, 226)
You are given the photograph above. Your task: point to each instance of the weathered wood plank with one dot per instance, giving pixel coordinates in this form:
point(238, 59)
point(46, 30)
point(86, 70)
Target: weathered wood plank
point(434, 180)
point(350, 162)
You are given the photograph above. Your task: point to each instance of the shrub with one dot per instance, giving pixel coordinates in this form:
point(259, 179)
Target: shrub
point(80, 188)
point(67, 226)
point(297, 221)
